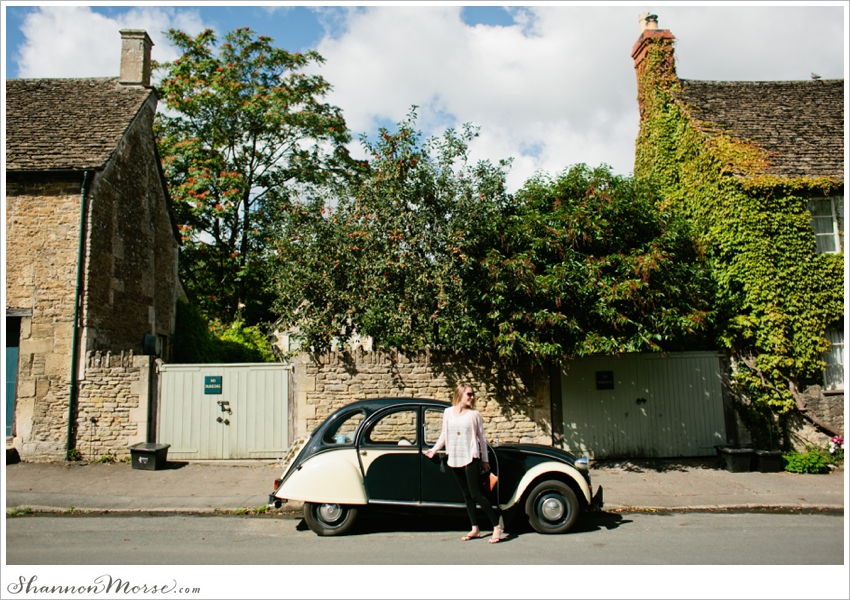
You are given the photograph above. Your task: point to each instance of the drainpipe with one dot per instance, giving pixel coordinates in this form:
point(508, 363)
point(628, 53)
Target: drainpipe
point(75, 340)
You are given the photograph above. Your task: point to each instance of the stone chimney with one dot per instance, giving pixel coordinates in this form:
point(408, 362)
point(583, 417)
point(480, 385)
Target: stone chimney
point(660, 72)
point(649, 34)
point(135, 57)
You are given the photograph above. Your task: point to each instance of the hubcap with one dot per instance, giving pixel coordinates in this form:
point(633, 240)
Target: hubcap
point(552, 508)
point(330, 513)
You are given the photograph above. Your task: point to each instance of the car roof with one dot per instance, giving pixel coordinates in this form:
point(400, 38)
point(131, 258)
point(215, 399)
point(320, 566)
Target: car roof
point(373, 404)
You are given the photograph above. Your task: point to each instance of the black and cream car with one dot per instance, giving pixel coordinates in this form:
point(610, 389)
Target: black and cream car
point(369, 453)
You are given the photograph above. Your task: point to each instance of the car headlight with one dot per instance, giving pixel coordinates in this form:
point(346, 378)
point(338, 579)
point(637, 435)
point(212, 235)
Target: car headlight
point(582, 464)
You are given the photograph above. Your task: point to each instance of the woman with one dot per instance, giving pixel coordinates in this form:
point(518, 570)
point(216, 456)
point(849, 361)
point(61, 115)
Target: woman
point(463, 437)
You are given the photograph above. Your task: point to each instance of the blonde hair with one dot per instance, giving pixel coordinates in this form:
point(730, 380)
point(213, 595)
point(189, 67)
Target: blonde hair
point(459, 392)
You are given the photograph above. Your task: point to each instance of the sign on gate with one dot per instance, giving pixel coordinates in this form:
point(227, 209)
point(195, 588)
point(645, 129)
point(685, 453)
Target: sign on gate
point(234, 411)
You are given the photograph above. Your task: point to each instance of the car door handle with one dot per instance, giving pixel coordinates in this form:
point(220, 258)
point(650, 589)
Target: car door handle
point(362, 453)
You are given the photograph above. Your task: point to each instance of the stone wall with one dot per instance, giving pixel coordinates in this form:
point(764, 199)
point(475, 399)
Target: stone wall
point(828, 407)
point(42, 229)
point(514, 403)
point(131, 276)
point(114, 404)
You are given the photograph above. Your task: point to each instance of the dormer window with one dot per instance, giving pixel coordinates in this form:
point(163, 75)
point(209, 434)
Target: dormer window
point(827, 222)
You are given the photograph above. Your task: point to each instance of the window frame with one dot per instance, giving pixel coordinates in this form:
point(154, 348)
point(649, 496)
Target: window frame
point(836, 218)
point(837, 333)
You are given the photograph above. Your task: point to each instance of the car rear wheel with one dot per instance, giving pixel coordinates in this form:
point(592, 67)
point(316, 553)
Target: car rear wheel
point(329, 519)
point(552, 507)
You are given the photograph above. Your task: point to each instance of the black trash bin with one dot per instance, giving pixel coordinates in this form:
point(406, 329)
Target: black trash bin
point(149, 457)
point(770, 461)
point(736, 460)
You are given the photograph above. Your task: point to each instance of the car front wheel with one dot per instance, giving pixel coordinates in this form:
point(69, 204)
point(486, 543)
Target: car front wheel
point(552, 507)
point(329, 519)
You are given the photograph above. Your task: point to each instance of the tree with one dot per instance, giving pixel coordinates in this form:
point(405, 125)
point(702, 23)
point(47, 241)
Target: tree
point(431, 251)
point(245, 132)
point(586, 264)
point(392, 259)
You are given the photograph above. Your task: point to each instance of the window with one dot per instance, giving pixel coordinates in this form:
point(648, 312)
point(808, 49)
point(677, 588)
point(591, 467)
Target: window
point(828, 222)
point(433, 425)
point(398, 428)
point(343, 431)
point(833, 374)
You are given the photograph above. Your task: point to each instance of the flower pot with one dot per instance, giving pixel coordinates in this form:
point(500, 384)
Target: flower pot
point(770, 461)
point(736, 460)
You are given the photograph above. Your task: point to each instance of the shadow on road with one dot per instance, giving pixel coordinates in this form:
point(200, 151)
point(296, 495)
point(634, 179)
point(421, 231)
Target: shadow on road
point(379, 521)
point(659, 465)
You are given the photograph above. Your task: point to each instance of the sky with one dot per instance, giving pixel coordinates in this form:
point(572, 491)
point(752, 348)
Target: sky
point(550, 85)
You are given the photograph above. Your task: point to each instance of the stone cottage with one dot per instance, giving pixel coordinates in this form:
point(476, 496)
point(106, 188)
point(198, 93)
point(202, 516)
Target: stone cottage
point(91, 260)
point(758, 169)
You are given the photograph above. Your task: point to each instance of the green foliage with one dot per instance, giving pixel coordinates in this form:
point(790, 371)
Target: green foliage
point(394, 259)
point(774, 295)
point(587, 265)
point(245, 129)
point(197, 341)
point(431, 251)
point(106, 459)
point(813, 460)
point(242, 343)
point(18, 512)
point(74, 455)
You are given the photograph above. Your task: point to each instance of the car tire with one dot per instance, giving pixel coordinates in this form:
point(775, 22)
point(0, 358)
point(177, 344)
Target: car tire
point(329, 519)
point(552, 507)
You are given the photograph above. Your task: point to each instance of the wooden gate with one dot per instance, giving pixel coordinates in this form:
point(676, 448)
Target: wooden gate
point(232, 411)
point(643, 405)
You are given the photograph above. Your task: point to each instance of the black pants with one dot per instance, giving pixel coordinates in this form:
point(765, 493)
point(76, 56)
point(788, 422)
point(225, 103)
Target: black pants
point(470, 484)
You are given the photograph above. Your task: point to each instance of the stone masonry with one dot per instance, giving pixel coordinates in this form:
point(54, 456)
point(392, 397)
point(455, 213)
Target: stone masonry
point(514, 404)
point(113, 405)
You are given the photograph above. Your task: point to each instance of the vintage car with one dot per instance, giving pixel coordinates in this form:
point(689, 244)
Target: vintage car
point(370, 453)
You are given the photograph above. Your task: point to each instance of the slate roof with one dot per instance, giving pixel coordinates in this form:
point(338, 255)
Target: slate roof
point(67, 124)
point(799, 123)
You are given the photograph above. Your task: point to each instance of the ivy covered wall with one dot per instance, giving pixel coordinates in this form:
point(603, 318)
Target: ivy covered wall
point(776, 296)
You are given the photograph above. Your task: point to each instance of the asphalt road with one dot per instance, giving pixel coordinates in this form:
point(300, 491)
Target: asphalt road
point(603, 539)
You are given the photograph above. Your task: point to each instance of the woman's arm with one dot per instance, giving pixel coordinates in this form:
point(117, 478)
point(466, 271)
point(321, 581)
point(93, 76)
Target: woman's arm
point(478, 429)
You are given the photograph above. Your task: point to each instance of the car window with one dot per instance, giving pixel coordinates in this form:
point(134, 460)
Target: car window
point(343, 429)
point(396, 428)
point(433, 424)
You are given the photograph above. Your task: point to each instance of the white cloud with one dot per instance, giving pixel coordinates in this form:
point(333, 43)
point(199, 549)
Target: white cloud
point(74, 41)
point(561, 81)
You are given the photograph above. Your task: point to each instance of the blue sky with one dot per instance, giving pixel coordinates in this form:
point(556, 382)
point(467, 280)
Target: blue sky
point(550, 85)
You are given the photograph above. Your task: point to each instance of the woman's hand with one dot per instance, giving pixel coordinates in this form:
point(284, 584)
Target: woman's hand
point(429, 453)
point(485, 466)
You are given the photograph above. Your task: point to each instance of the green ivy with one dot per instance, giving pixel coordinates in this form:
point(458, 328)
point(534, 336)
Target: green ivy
point(775, 295)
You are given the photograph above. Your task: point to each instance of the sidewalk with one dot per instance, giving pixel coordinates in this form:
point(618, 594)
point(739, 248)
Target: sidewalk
point(228, 486)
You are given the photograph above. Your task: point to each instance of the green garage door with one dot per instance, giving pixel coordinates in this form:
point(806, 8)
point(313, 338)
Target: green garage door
point(224, 411)
point(643, 405)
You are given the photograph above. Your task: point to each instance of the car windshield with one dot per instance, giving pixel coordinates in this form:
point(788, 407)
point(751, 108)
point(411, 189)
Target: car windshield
point(342, 430)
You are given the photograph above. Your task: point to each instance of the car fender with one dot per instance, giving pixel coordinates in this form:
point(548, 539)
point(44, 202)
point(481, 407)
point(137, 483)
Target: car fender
point(541, 469)
point(332, 477)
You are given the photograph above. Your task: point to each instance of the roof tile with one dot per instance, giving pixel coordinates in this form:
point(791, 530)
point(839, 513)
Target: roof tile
point(67, 124)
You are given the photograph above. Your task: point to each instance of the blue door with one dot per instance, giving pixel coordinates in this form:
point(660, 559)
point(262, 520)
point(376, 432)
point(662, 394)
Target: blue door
point(13, 336)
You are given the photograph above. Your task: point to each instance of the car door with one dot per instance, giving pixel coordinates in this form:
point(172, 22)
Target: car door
point(388, 450)
point(438, 483)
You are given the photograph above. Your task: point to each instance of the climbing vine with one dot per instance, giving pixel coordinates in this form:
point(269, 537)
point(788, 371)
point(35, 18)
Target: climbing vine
point(775, 295)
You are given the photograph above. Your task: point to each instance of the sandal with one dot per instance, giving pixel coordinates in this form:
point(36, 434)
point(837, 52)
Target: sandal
point(470, 536)
point(497, 535)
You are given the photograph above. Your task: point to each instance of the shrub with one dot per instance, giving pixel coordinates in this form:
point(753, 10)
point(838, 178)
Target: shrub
point(198, 341)
point(813, 460)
